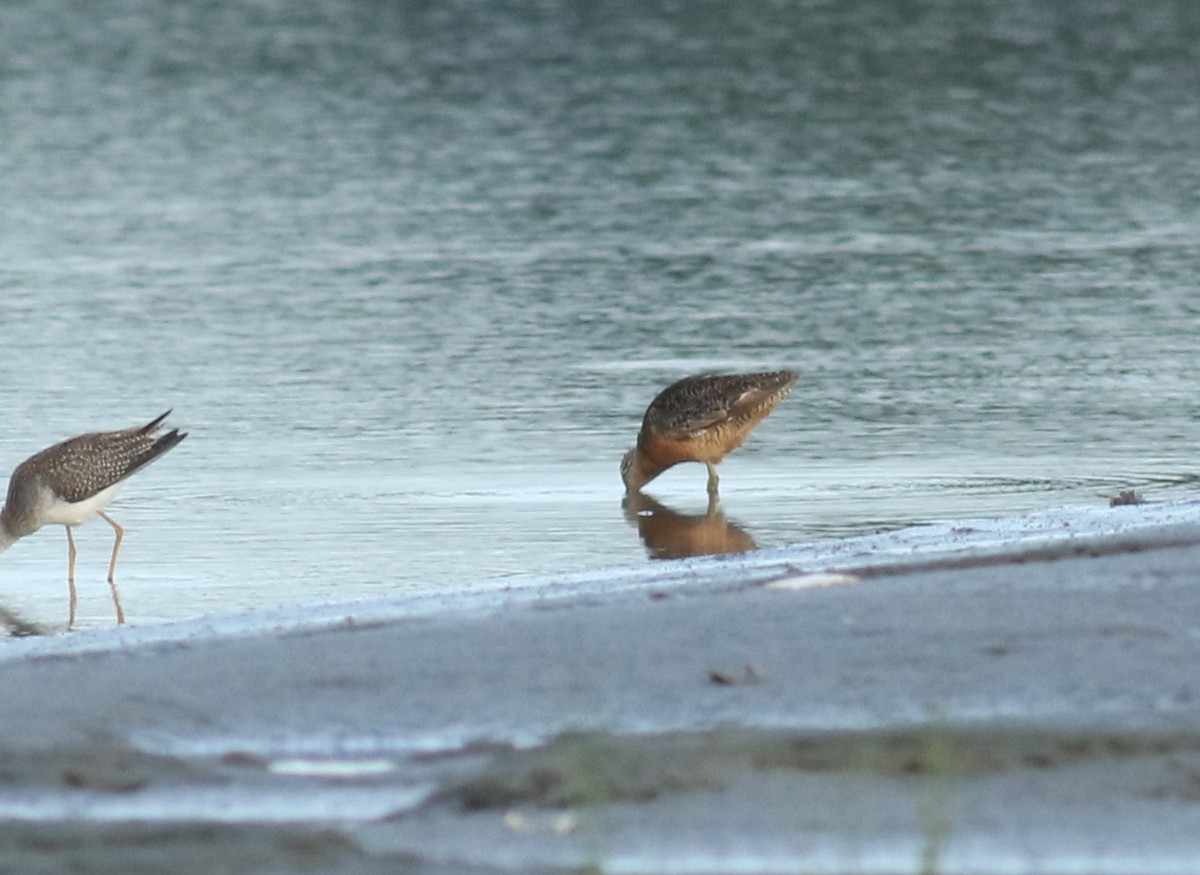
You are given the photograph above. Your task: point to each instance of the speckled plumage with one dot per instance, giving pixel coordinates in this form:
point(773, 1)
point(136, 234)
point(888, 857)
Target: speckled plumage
point(700, 419)
point(693, 404)
point(72, 482)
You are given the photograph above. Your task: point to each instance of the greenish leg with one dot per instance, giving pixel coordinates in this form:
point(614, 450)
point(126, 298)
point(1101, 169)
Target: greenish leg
point(713, 480)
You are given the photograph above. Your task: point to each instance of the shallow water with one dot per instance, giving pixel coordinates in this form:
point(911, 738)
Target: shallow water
point(409, 273)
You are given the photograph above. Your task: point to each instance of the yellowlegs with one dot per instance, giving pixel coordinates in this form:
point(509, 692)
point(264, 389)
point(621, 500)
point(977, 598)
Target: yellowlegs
point(700, 419)
point(72, 482)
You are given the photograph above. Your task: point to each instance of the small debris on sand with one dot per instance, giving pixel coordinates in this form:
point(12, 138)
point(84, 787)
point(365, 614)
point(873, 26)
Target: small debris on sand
point(1124, 497)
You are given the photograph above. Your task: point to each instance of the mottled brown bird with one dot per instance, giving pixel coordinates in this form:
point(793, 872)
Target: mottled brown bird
point(700, 419)
point(72, 482)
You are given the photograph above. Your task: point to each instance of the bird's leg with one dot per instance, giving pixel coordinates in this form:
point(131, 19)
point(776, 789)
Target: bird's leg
point(714, 504)
point(112, 565)
point(71, 579)
point(116, 596)
point(713, 480)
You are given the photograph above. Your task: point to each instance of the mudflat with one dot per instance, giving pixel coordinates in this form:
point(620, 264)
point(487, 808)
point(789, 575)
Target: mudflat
point(1014, 712)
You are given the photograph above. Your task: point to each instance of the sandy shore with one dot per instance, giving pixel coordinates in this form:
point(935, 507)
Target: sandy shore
point(1032, 705)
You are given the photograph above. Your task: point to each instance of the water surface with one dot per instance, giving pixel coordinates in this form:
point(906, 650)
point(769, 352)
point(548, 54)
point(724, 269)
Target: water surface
point(410, 272)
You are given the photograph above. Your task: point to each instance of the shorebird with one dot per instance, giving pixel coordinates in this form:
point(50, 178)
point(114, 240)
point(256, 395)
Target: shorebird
point(700, 419)
point(72, 482)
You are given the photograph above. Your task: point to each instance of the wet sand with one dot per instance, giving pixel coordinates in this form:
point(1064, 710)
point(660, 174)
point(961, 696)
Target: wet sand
point(1032, 707)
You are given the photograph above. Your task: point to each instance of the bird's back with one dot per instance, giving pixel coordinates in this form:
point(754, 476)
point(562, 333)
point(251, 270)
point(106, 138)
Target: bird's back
point(687, 408)
point(79, 468)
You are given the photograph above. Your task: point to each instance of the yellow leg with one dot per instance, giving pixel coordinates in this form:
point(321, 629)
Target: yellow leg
point(71, 579)
point(112, 565)
point(713, 480)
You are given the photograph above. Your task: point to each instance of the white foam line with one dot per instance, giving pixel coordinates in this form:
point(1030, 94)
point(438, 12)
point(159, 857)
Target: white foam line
point(214, 804)
point(332, 768)
point(344, 746)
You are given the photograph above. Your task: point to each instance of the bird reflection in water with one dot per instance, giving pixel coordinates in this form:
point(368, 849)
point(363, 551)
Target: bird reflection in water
point(669, 534)
point(12, 624)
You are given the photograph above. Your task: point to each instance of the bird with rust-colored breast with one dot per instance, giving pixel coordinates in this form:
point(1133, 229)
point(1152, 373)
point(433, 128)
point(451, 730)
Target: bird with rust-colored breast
point(73, 482)
point(700, 419)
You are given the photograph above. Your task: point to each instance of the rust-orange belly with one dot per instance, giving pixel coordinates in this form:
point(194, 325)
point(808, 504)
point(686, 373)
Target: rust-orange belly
point(701, 419)
point(659, 452)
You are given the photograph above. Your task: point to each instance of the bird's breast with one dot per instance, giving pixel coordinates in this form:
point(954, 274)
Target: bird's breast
point(76, 513)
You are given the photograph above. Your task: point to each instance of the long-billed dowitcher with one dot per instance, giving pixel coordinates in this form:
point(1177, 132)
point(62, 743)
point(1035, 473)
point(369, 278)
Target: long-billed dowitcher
point(72, 482)
point(700, 419)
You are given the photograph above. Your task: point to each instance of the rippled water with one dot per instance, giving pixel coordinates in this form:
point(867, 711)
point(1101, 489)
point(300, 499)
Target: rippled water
point(410, 272)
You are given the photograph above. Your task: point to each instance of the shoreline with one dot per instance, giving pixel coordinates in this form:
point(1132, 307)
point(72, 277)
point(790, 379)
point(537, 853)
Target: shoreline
point(906, 702)
point(1044, 536)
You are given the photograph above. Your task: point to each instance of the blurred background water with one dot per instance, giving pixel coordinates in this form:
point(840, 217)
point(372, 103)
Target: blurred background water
point(409, 272)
